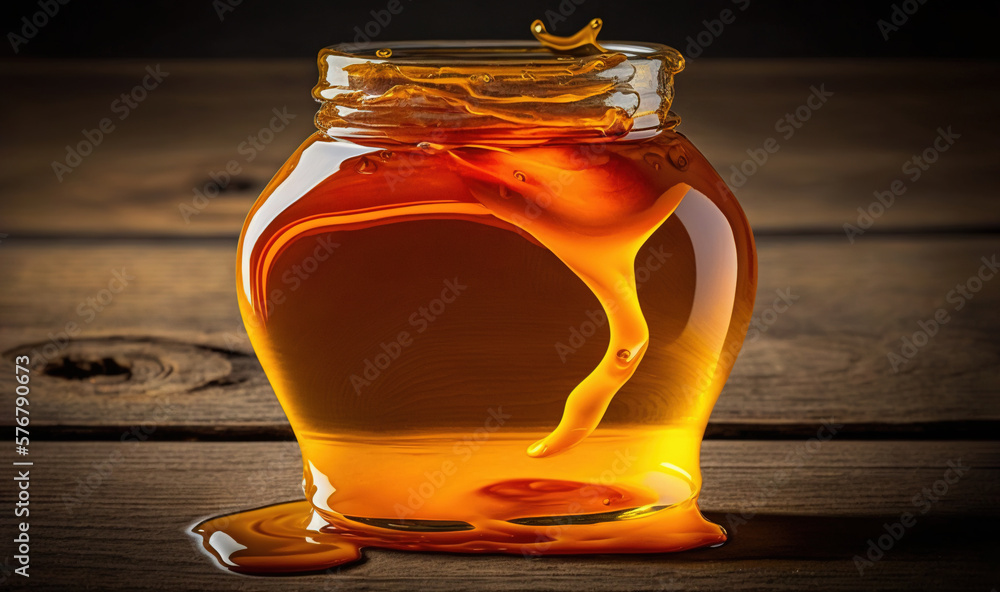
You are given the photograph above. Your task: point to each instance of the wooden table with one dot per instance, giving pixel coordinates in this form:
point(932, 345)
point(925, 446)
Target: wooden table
point(164, 360)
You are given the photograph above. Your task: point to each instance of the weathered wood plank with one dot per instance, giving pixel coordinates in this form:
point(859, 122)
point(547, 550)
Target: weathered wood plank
point(177, 326)
point(128, 531)
point(880, 115)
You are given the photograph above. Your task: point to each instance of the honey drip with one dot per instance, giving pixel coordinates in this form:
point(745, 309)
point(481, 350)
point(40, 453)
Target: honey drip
point(380, 280)
point(605, 262)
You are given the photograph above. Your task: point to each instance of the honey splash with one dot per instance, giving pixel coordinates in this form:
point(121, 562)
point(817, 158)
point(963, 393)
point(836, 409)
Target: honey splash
point(428, 301)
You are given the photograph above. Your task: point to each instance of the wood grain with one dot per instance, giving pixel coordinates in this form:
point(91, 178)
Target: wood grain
point(128, 531)
point(880, 115)
point(176, 326)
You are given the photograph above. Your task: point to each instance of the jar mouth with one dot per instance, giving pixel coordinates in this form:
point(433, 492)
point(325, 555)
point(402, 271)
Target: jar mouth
point(506, 91)
point(437, 52)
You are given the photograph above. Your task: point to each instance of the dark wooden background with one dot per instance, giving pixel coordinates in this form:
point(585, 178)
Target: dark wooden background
point(167, 359)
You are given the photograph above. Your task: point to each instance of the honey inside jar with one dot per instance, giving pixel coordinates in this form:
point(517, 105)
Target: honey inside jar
point(497, 296)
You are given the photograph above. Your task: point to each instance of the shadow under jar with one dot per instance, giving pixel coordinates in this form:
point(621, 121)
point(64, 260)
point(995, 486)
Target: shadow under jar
point(497, 295)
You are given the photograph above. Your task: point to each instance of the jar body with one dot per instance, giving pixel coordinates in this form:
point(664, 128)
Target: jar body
point(420, 342)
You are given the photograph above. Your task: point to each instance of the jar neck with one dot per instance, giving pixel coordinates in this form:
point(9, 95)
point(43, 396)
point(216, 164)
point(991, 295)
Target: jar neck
point(503, 92)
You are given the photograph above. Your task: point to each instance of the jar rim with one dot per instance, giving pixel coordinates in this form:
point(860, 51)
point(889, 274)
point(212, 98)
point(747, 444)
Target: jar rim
point(510, 91)
point(485, 52)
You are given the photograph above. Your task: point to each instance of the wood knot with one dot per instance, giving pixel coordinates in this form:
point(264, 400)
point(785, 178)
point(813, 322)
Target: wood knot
point(82, 369)
point(126, 366)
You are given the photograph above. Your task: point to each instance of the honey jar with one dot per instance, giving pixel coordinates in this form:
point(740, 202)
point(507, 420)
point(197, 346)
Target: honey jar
point(497, 295)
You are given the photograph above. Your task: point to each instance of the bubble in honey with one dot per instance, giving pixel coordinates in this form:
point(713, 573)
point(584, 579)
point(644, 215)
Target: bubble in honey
point(481, 78)
point(520, 176)
point(385, 155)
point(606, 502)
point(384, 53)
point(365, 166)
point(624, 354)
point(677, 157)
point(652, 159)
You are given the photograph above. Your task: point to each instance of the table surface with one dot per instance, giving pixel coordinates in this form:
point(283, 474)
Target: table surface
point(167, 356)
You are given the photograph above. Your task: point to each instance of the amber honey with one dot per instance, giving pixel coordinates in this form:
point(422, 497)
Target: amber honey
point(497, 296)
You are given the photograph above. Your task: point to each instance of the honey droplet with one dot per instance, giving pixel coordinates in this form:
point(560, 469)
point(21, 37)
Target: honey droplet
point(365, 166)
point(384, 53)
point(606, 502)
point(624, 354)
point(583, 38)
point(520, 176)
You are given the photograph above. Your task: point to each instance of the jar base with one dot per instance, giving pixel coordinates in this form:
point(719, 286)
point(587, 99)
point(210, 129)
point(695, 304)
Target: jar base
point(293, 537)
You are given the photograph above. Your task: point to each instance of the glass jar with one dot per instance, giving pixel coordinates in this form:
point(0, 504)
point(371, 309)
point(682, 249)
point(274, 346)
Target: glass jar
point(497, 295)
